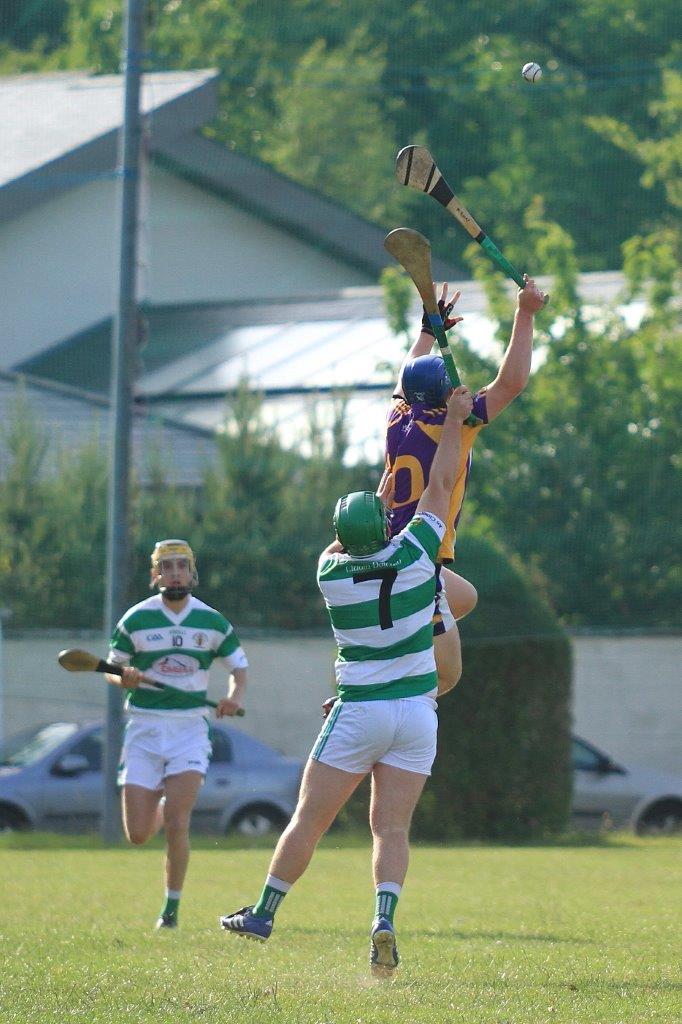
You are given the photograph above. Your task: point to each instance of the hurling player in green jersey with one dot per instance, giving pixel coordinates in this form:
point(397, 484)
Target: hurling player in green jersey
point(173, 638)
point(380, 595)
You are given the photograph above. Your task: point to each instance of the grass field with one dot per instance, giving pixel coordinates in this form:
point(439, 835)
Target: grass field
point(505, 935)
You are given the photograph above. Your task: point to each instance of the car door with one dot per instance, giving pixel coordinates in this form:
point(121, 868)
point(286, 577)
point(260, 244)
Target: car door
point(602, 790)
point(72, 802)
point(218, 788)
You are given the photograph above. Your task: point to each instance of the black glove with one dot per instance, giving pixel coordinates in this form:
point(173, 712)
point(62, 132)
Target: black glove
point(444, 308)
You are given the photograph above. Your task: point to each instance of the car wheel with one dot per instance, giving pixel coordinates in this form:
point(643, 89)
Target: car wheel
point(664, 819)
point(11, 820)
point(258, 820)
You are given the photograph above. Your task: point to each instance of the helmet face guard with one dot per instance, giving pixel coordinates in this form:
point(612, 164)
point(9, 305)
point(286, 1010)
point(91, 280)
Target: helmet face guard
point(172, 550)
point(360, 523)
point(425, 381)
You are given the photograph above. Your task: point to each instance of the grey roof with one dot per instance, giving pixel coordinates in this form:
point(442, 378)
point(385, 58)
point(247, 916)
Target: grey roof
point(301, 355)
point(277, 199)
point(61, 129)
point(71, 419)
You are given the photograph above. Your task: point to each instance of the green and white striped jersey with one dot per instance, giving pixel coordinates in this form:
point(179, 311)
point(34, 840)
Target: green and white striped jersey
point(174, 649)
point(381, 607)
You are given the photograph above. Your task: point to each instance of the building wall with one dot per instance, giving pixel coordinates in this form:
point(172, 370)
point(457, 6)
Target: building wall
point(626, 692)
point(627, 698)
point(201, 248)
point(57, 261)
point(57, 270)
point(289, 680)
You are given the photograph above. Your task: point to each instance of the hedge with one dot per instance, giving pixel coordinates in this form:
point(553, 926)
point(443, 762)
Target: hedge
point(503, 765)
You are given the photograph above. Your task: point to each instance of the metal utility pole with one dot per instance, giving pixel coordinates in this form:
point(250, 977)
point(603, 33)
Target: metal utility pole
point(5, 613)
point(123, 359)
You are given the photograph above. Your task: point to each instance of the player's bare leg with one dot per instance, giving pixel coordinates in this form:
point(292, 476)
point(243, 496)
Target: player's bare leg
point(324, 791)
point(462, 596)
point(181, 795)
point(447, 649)
point(395, 793)
point(141, 813)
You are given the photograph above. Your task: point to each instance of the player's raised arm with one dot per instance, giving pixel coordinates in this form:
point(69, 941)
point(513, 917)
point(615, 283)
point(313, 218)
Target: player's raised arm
point(514, 369)
point(424, 342)
point(436, 497)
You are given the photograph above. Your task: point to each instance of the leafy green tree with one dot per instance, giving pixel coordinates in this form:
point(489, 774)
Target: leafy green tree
point(398, 292)
point(53, 526)
point(27, 23)
point(442, 74)
point(653, 262)
point(332, 131)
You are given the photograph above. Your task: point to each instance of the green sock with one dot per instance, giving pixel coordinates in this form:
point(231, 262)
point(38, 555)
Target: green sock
point(387, 899)
point(272, 895)
point(170, 907)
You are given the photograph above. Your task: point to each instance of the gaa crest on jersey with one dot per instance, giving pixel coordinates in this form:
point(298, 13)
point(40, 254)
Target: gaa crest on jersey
point(200, 640)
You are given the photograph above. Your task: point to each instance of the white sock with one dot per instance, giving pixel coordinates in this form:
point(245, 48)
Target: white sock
point(277, 883)
point(173, 894)
point(389, 887)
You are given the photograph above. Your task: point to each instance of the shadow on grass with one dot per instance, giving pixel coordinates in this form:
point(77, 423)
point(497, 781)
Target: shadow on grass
point(337, 839)
point(462, 936)
point(467, 936)
point(92, 841)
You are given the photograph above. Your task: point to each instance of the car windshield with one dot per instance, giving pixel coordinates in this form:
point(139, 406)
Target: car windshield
point(30, 746)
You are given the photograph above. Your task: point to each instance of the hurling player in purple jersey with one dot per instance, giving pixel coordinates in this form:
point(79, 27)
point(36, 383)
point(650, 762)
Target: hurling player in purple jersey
point(415, 422)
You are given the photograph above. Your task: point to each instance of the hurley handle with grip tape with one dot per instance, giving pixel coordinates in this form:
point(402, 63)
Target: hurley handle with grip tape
point(74, 660)
point(416, 168)
point(117, 670)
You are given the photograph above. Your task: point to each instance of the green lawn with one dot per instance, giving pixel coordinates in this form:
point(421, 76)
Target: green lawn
point(487, 934)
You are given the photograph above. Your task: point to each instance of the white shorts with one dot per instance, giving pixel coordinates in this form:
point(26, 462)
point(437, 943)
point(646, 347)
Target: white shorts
point(156, 746)
point(359, 734)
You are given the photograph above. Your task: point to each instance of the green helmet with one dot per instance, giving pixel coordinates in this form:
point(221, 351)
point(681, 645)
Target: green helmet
point(360, 523)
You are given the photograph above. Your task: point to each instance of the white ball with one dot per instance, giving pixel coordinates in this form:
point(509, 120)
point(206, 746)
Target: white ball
point(532, 72)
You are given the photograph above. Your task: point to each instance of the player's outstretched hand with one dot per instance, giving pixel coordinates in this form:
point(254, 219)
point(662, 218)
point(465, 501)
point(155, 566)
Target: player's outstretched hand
point(445, 307)
point(460, 402)
point(530, 299)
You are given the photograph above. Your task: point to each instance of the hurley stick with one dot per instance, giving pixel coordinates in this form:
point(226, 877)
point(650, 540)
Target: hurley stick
point(75, 660)
point(413, 253)
point(415, 167)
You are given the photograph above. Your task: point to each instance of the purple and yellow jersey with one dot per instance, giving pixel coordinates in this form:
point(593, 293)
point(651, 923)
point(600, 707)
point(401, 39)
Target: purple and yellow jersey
point(412, 436)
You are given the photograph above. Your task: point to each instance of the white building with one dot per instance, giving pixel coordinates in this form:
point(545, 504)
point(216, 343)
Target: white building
point(243, 272)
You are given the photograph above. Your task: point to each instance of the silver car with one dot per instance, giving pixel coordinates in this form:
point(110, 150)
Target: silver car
point(51, 778)
point(610, 795)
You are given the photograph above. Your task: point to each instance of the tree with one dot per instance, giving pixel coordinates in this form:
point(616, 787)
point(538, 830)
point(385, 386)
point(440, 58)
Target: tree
point(301, 77)
point(581, 474)
point(332, 132)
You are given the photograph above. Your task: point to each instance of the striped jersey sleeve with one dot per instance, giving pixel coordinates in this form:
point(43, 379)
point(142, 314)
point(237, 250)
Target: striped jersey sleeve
point(121, 647)
point(428, 530)
point(230, 650)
